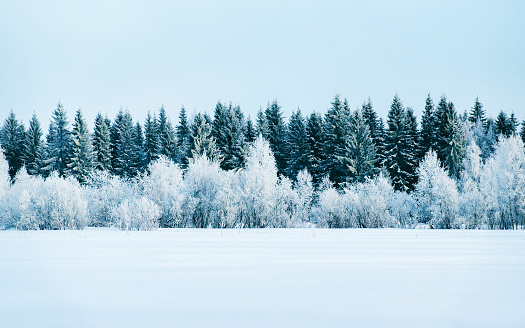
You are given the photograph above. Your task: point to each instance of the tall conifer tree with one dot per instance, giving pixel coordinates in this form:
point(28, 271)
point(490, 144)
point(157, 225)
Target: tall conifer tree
point(101, 144)
point(12, 137)
point(33, 147)
point(277, 135)
point(297, 144)
point(58, 147)
point(81, 163)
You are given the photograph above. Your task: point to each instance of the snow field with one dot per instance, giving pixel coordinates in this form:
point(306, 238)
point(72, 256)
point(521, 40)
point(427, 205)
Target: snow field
point(262, 278)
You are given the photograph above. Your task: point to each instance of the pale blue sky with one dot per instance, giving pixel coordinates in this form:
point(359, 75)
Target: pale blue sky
point(101, 55)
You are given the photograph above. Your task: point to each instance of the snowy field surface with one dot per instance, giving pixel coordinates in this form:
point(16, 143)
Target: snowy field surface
point(262, 278)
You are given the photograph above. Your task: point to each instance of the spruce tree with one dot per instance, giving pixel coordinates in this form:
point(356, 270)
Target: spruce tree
point(262, 124)
point(314, 132)
point(183, 135)
point(376, 132)
point(502, 124)
point(250, 133)
point(297, 145)
point(277, 135)
point(12, 136)
point(428, 128)
point(413, 151)
point(359, 151)
point(101, 144)
point(81, 163)
point(58, 143)
point(167, 136)
point(477, 114)
point(123, 134)
point(115, 134)
point(522, 133)
point(139, 158)
point(201, 141)
point(151, 142)
point(397, 147)
point(513, 124)
point(336, 130)
point(33, 147)
point(450, 139)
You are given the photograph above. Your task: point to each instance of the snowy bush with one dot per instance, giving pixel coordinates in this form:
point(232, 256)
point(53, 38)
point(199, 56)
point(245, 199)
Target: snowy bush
point(372, 203)
point(136, 214)
point(163, 184)
point(304, 193)
point(436, 194)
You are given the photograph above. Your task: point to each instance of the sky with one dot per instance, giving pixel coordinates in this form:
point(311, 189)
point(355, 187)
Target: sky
point(103, 55)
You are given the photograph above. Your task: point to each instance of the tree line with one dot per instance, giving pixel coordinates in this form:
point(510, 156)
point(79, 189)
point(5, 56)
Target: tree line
point(341, 169)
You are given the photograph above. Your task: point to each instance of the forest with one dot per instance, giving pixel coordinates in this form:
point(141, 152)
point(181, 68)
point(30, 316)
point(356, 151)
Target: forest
point(341, 169)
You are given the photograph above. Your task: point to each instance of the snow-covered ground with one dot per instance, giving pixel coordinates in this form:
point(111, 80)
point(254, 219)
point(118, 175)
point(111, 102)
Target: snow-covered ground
point(262, 278)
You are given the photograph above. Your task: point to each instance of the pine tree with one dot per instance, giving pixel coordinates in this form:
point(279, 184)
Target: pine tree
point(297, 144)
point(336, 130)
point(33, 147)
point(314, 132)
point(58, 143)
point(413, 150)
point(428, 128)
point(151, 143)
point(398, 147)
point(502, 124)
point(513, 124)
point(277, 135)
point(250, 134)
point(183, 138)
point(262, 124)
point(522, 133)
point(201, 141)
point(139, 163)
point(376, 131)
point(12, 136)
point(81, 163)
point(477, 114)
point(228, 133)
point(123, 134)
point(450, 139)
point(115, 134)
point(101, 144)
point(167, 136)
point(359, 153)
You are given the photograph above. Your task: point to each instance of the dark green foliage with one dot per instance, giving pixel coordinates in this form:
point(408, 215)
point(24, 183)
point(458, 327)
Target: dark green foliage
point(414, 152)
point(123, 137)
point(81, 163)
point(33, 147)
point(377, 133)
point(399, 159)
point(522, 133)
point(428, 128)
point(101, 144)
point(513, 124)
point(151, 142)
point(477, 114)
point(277, 135)
point(183, 134)
point(298, 147)
point(228, 132)
point(167, 136)
point(262, 124)
point(12, 137)
point(450, 140)
point(58, 147)
point(314, 132)
point(250, 134)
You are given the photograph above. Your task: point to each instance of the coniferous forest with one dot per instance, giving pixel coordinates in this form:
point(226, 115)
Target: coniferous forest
point(340, 169)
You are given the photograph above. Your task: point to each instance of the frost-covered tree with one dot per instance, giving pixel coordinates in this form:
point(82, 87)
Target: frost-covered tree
point(58, 143)
point(436, 194)
point(262, 124)
point(297, 144)
point(371, 203)
point(477, 113)
point(304, 189)
point(12, 136)
point(81, 163)
point(377, 133)
point(201, 140)
point(228, 132)
point(250, 133)
point(167, 136)
point(314, 133)
point(33, 147)
point(471, 199)
point(4, 175)
point(277, 135)
point(428, 127)
point(101, 144)
point(450, 146)
point(151, 139)
point(183, 133)
point(522, 133)
point(136, 214)
point(164, 185)
point(503, 185)
point(123, 140)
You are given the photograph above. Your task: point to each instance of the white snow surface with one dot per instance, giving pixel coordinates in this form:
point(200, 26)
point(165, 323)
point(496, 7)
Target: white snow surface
point(262, 278)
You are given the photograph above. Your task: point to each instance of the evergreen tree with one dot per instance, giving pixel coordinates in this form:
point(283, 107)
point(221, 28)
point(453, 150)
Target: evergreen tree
point(123, 134)
point(277, 135)
point(314, 132)
point(81, 162)
point(502, 124)
point(298, 147)
point(513, 124)
point(229, 136)
point(336, 130)
point(139, 163)
point(522, 133)
point(201, 141)
point(101, 144)
point(413, 143)
point(477, 114)
point(151, 143)
point(115, 134)
point(33, 147)
point(359, 156)
point(250, 133)
point(376, 131)
point(428, 128)
point(167, 136)
point(12, 136)
point(58, 147)
point(183, 138)
point(450, 139)
point(398, 161)
point(262, 124)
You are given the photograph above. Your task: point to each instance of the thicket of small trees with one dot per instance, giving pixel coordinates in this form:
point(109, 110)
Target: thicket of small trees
point(343, 169)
